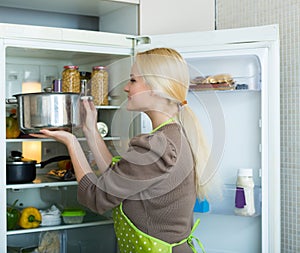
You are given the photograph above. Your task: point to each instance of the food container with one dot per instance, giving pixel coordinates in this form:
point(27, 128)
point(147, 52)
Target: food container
point(50, 110)
point(57, 85)
point(73, 216)
point(51, 216)
point(99, 86)
point(71, 79)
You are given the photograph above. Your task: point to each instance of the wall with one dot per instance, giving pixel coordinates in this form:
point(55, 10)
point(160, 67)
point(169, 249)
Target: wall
point(169, 16)
point(242, 13)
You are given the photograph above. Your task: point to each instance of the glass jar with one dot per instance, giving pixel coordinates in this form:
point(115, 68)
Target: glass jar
point(71, 79)
point(99, 87)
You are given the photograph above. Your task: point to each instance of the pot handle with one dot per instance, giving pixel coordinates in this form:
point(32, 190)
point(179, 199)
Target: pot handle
point(52, 160)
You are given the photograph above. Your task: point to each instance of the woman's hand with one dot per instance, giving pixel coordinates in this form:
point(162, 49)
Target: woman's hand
point(88, 116)
point(61, 136)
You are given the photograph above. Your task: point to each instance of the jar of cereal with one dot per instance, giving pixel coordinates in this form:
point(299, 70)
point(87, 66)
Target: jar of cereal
point(99, 85)
point(71, 79)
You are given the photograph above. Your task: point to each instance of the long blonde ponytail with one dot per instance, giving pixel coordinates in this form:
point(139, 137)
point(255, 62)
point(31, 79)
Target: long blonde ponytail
point(165, 71)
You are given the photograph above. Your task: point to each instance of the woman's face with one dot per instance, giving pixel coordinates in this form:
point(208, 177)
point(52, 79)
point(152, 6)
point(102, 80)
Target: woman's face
point(139, 93)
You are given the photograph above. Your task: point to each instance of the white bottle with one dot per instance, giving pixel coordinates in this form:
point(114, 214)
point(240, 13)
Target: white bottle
point(244, 198)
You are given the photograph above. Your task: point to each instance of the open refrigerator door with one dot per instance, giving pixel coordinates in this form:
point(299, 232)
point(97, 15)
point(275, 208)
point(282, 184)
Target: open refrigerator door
point(234, 90)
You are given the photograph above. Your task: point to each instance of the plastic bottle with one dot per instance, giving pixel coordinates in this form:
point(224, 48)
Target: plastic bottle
point(244, 197)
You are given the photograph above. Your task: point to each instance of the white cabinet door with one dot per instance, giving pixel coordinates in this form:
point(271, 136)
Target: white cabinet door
point(168, 16)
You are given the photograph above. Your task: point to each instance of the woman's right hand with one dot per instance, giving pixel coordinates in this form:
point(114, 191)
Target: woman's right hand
point(88, 116)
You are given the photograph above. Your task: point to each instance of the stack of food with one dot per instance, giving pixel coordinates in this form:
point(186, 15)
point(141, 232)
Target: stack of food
point(64, 172)
point(215, 82)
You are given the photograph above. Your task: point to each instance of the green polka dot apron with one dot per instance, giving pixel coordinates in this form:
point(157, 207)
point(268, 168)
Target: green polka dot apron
point(132, 240)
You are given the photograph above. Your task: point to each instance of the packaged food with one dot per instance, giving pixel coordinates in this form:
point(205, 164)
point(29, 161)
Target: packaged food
point(51, 216)
point(99, 86)
point(71, 79)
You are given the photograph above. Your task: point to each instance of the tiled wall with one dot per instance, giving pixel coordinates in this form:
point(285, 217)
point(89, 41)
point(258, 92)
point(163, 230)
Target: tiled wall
point(243, 13)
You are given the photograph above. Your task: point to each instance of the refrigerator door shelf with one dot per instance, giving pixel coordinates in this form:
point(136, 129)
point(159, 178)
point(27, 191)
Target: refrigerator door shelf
point(225, 205)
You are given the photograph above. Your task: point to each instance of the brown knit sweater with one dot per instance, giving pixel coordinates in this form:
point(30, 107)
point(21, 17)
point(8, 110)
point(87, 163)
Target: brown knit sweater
point(154, 180)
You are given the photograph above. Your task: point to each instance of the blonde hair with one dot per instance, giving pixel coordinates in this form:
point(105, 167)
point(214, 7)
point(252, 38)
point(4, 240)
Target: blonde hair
point(165, 71)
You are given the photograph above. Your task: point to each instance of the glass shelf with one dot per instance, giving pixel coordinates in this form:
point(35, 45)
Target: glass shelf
point(40, 182)
point(225, 91)
point(95, 220)
point(107, 138)
point(108, 107)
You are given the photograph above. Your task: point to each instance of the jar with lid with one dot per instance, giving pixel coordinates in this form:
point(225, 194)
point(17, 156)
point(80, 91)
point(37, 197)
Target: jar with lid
point(71, 79)
point(244, 198)
point(99, 86)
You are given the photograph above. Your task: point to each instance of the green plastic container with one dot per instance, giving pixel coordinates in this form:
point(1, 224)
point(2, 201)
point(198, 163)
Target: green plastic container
point(73, 216)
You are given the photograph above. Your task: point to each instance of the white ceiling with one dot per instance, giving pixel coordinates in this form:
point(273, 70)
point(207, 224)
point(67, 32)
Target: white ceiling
point(78, 7)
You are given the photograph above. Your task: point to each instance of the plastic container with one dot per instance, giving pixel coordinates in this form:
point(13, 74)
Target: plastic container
point(57, 85)
point(50, 220)
point(71, 79)
point(244, 197)
point(73, 216)
point(99, 85)
point(51, 216)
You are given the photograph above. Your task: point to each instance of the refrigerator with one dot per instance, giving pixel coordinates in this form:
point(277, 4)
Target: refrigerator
point(241, 125)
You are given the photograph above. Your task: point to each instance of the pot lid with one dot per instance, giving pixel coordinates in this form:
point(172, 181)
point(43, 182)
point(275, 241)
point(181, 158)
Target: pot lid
point(20, 161)
point(17, 158)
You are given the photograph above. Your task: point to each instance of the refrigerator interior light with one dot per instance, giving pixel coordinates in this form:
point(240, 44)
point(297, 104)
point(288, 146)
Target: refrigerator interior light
point(32, 149)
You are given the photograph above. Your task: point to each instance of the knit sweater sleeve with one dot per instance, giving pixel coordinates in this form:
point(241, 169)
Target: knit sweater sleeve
point(147, 162)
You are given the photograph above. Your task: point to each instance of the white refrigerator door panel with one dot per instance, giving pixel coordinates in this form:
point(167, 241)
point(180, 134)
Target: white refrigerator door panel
point(250, 124)
point(229, 234)
point(233, 130)
point(212, 39)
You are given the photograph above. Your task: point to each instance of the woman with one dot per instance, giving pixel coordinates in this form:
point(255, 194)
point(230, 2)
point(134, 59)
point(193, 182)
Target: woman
point(152, 189)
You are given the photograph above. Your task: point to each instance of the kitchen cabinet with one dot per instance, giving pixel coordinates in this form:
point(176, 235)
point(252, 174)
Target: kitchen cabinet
point(99, 15)
point(32, 53)
point(176, 16)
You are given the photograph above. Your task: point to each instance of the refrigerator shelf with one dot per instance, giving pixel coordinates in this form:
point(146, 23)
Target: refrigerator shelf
point(226, 91)
point(60, 227)
point(108, 107)
point(107, 138)
point(41, 181)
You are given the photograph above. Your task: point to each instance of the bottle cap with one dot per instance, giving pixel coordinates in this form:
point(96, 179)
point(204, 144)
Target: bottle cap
point(243, 172)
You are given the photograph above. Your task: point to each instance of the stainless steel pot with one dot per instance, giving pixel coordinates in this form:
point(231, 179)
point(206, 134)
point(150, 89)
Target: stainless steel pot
point(51, 110)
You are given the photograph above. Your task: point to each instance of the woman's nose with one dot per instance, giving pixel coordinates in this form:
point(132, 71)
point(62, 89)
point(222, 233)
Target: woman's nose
point(126, 87)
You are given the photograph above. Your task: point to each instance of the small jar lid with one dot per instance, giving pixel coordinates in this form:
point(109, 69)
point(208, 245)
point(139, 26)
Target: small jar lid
point(245, 172)
point(98, 67)
point(71, 67)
